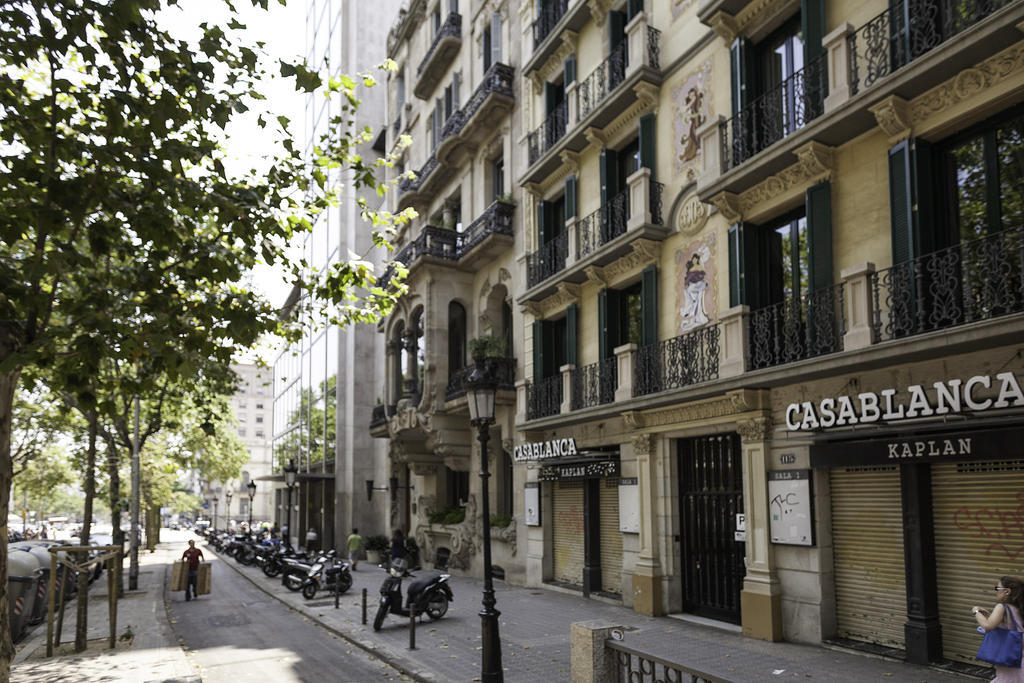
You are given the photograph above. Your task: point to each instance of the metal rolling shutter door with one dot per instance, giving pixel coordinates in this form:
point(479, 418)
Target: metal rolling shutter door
point(867, 535)
point(567, 531)
point(611, 537)
point(978, 538)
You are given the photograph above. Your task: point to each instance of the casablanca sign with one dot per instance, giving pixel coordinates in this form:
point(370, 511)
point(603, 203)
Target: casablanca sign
point(890, 405)
point(542, 450)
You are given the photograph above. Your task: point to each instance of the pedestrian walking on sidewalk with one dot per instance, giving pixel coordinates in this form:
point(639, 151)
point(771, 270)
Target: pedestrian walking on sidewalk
point(355, 544)
point(311, 539)
point(193, 556)
point(1007, 613)
point(397, 545)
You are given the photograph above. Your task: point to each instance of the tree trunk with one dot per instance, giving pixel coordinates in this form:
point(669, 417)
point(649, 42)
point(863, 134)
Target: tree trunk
point(82, 624)
point(114, 472)
point(8, 384)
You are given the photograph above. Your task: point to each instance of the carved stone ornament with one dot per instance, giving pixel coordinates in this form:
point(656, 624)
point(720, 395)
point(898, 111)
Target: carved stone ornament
point(567, 293)
point(643, 252)
point(726, 26)
point(968, 84)
point(692, 215)
point(424, 469)
point(643, 444)
point(504, 275)
point(595, 274)
point(599, 10)
point(646, 102)
point(408, 418)
point(595, 137)
point(571, 160)
point(485, 289)
point(893, 116)
point(532, 308)
point(733, 403)
point(506, 534)
point(728, 204)
point(815, 163)
point(755, 429)
point(556, 61)
point(759, 13)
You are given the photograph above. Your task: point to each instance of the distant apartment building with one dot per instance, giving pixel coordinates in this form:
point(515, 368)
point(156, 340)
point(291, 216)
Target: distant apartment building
point(253, 406)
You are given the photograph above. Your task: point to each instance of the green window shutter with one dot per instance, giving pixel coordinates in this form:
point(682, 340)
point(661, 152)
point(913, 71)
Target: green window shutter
point(570, 197)
point(602, 323)
point(649, 305)
point(542, 214)
point(737, 295)
point(925, 222)
point(569, 74)
point(609, 175)
point(571, 321)
point(812, 20)
point(739, 62)
point(538, 351)
point(819, 235)
point(900, 197)
point(616, 28)
point(647, 142)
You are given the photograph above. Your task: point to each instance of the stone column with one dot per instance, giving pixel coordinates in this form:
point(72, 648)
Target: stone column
point(647, 597)
point(567, 371)
point(572, 241)
point(639, 199)
point(572, 108)
point(636, 34)
point(589, 660)
point(860, 323)
point(761, 597)
point(836, 44)
point(734, 340)
point(625, 356)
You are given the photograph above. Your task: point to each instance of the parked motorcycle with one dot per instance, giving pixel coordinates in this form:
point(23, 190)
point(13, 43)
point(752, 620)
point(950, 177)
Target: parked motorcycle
point(428, 594)
point(331, 575)
point(295, 571)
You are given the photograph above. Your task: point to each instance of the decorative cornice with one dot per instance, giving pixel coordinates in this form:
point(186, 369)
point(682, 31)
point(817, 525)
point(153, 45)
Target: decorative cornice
point(646, 102)
point(643, 253)
point(599, 10)
point(567, 293)
point(760, 12)
point(816, 162)
point(595, 137)
point(968, 84)
point(733, 403)
point(531, 307)
point(728, 204)
point(755, 429)
point(893, 116)
point(595, 274)
point(553, 63)
point(571, 160)
point(725, 26)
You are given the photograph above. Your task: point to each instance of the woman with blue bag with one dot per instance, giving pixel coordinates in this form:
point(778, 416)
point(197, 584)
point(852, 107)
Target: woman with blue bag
point(1003, 628)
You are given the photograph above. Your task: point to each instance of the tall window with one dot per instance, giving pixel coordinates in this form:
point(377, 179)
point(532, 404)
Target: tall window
point(456, 337)
point(456, 487)
point(506, 328)
point(497, 178)
point(486, 40)
point(788, 253)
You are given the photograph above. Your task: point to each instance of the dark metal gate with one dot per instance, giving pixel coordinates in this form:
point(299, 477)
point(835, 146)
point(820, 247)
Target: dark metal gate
point(711, 495)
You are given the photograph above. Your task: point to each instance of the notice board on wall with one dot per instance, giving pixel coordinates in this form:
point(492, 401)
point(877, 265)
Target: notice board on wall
point(532, 507)
point(790, 509)
point(629, 505)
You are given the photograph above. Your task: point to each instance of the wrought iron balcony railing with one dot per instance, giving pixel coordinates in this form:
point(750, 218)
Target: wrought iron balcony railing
point(602, 80)
point(798, 328)
point(544, 398)
point(497, 80)
point(452, 27)
point(379, 416)
point(502, 369)
point(682, 361)
point(438, 242)
point(907, 30)
point(414, 184)
point(971, 281)
point(495, 220)
point(781, 111)
point(548, 133)
point(603, 225)
point(595, 384)
point(550, 14)
point(546, 261)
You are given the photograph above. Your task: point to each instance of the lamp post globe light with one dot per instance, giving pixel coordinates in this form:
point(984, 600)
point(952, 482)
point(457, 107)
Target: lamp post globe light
point(227, 509)
point(481, 389)
point(291, 473)
point(252, 494)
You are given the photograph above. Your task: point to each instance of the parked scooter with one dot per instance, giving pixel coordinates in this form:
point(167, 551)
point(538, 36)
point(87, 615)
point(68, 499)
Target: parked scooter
point(332, 574)
point(428, 595)
point(295, 571)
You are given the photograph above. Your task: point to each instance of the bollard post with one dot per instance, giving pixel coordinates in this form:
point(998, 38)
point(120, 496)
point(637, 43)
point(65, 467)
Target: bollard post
point(412, 627)
point(364, 607)
point(337, 583)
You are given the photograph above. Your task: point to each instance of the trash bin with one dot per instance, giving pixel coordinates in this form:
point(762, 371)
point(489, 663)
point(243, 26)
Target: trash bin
point(39, 610)
point(22, 581)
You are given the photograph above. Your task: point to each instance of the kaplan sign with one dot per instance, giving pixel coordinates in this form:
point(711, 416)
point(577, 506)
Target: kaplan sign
point(541, 450)
point(942, 398)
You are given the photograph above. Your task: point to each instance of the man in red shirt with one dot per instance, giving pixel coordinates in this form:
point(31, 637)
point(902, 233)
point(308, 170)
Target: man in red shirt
point(193, 556)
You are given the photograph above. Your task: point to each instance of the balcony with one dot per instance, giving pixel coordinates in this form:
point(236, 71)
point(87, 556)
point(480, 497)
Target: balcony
point(504, 370)
point(630, 74)
point(544, 398)
point(594, 384)
point(549, 17)
point(691, 358)
point(599, 238)
point(873, 74)
point(491, 101)
point(430, 176)
point(446, 45)
point(379, 420)
point(973, 281)
point(488, 235)
point(797, 328)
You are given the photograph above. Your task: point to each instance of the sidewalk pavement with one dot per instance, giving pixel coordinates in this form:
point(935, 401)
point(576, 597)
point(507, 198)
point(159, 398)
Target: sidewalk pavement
point(535, 631)
point(151, 653)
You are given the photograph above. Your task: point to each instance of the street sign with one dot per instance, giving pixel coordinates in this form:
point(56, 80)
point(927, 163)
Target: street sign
point(206, 505)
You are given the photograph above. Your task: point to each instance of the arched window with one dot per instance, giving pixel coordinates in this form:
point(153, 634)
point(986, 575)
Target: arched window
point(506, 328)
point(456, 337)
point(415, 357)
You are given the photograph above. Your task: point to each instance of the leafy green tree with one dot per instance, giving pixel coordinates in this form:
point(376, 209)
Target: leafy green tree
point(119, 220)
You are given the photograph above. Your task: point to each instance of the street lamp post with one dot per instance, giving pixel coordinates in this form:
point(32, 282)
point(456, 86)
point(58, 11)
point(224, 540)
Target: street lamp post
point(481, 389)
point(227, 511)
point(291, 472)
point(215, 501)
point(252, 494)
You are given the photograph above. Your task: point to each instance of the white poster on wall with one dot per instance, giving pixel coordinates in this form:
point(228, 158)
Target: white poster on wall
point(790, 511)
point(532, 506)
point(629, 505)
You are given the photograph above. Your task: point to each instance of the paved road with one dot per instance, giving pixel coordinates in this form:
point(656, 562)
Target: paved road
point(238, 633)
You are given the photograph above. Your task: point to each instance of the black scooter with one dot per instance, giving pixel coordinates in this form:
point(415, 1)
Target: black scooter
point(428, 595)
point(331, 574)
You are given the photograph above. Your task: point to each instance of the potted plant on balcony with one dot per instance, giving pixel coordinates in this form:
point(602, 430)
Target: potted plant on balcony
point(375, 545)
point(487, 346)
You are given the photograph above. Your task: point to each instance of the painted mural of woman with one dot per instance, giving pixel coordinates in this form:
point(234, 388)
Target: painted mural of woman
point(693, 313)
point(694, 118)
